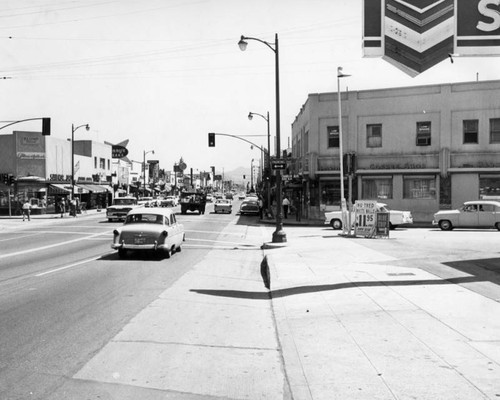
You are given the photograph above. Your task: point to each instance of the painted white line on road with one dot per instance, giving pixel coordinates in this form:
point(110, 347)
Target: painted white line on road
point(50, 246)
point(17, 237)
point(67, 266)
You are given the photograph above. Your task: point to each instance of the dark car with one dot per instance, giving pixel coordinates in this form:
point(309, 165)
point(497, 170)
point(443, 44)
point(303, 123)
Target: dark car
point(249, 207)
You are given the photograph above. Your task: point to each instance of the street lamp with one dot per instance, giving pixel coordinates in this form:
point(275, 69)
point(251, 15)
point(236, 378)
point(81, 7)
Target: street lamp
point(73, 129)
point(144, 170)
point(268, 182)
point(279, 236)
point(346, 222)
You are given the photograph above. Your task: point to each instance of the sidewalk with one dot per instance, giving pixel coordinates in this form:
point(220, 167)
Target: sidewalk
point(353, 326)
point(16, 221)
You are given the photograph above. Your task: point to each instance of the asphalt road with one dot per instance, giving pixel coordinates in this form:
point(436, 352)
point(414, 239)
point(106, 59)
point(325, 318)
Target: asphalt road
point(64, 293)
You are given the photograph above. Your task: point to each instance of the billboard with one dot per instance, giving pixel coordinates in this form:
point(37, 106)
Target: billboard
point(415, 35)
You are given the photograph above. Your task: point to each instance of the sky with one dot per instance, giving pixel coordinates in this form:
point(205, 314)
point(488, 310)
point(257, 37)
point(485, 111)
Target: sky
point(164, 73)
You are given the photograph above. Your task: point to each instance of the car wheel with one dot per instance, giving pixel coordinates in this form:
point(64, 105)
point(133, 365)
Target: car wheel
point(122, 253)
point(166, 253)
point(497, 225)
point(110, 219)
point(178, 249)
point(336, 224)
point(445, 225)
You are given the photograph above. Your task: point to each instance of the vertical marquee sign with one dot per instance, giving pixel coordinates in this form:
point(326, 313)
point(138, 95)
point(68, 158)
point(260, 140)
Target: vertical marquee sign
point(415, 35)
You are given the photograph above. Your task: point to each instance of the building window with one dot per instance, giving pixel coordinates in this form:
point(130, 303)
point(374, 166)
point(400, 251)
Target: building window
point(376, 188)
point(489, 187)
point(95, 162)
point(374, 135)
point(419, 187)
point(330, 193)
point(471, 127)
point(109, 167)
point(495, 130)
point(423, 133)
point(102, 163)
point(333, 136)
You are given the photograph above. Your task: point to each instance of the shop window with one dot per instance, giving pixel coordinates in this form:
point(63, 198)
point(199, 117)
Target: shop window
point(374, 135)
point(333, 136)
point(495, 130)
point(471, 127)
point(489, 187)
point(423, 133)
point(419, 187)
point(330, 193)
point(376, 188)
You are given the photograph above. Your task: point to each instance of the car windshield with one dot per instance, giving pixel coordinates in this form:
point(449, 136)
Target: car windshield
point(144, 219)
point(124, 202)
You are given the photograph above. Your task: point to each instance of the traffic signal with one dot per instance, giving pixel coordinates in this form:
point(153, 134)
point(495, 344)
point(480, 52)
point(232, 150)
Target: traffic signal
point(211, 140)
point(5, 179)
point(11, 180)
point(349, 163)
point(46, 126)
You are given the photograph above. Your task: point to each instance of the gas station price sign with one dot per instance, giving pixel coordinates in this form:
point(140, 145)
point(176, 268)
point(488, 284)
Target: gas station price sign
point(366, 214)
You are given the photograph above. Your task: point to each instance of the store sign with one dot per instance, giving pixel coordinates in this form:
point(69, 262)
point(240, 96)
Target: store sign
point(415, 35)
point(278, 164)
point(118, 151)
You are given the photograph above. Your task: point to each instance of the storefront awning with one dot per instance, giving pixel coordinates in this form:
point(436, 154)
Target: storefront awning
point(92, 188)
point(59, 188)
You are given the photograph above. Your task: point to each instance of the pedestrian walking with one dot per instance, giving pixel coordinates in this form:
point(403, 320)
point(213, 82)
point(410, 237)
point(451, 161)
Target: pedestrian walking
point(62, 207)
point(286, 205)
point(26, 210)
point(261, 207)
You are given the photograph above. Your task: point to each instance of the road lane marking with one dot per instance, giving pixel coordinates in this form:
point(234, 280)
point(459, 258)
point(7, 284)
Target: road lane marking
point(51, 246)
point(67, 266)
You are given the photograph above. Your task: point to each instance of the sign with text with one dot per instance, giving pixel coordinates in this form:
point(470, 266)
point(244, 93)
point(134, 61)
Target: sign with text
point(415, 35)
point(366, 211)
point(278, 164)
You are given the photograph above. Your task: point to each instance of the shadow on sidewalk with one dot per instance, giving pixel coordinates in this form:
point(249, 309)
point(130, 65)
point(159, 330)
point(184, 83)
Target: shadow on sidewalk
point(240, 294)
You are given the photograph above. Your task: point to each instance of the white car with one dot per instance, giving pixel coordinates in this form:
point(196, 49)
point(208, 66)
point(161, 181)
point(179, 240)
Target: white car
point(396, 217)
point(120, 208)
point(473, 214)
point(149, 229)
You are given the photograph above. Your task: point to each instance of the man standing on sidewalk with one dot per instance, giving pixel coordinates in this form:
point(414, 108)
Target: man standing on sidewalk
point(26, 210)
point(286, 204)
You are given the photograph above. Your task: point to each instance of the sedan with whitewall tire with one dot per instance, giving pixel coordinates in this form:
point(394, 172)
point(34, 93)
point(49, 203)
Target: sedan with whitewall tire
point(149, 229)
point(472, 214)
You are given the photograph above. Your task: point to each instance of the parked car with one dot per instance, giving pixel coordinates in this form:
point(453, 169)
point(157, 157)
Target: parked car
point(249, 207)
point(120, 208)
point(241, 196)
point(149, 229)
point(169, 201)
point(223, 206)
point(396, 217)
point(473, 214)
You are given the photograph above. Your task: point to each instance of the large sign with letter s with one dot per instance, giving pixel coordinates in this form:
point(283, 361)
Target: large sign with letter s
point(477, 27)
point(415, 35)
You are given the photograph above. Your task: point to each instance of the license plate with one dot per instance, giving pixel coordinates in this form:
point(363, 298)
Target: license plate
point(139, 240)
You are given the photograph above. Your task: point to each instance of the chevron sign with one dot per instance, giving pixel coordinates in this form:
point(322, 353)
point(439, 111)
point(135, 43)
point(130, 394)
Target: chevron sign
point(414, 35)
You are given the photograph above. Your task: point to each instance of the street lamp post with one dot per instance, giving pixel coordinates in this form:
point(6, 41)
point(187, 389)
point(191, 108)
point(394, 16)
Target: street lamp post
point(73, 129)
point(144, 170)
point(268, 164)
point(279, 235)
point(346, 215)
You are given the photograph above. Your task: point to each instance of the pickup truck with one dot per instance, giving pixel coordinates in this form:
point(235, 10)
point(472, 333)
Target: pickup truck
point(120, 208)
point(193, 201)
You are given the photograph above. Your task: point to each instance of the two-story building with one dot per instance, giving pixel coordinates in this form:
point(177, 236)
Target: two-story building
point(41, 168)
point(416, 148)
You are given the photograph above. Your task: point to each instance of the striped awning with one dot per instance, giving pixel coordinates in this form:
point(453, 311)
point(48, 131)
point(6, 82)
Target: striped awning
point(59, 188)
